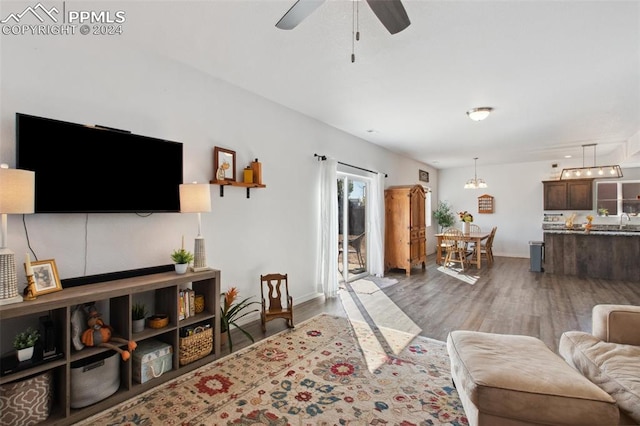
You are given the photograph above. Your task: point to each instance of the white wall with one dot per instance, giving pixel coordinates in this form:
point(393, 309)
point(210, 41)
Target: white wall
point(110, 82)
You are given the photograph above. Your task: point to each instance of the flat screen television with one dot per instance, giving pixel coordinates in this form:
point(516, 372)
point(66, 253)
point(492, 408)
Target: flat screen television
point(91, 169)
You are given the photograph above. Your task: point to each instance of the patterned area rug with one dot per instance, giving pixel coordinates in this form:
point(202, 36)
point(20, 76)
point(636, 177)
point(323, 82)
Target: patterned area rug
point(317, 374)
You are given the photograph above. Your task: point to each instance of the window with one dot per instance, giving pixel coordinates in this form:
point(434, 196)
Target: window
point(618, 197)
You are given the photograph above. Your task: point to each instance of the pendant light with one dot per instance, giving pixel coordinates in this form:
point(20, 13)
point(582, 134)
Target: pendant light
point(475, 183)
point(590, 172)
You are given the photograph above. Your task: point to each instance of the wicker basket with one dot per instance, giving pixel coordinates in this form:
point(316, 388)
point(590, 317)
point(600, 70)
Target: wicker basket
point(196, 346)
point(158, 321)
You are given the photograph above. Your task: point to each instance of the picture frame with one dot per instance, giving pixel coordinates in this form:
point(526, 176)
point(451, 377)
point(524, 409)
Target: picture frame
point(45, 277)
point(222, 156)
point(423, 175)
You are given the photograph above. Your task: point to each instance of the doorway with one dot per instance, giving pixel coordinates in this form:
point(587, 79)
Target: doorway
point(352, 227)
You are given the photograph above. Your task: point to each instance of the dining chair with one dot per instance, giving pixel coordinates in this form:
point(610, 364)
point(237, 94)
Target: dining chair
point(473, 229)
point(277, 303)
point(486, 248)
point(455, 246)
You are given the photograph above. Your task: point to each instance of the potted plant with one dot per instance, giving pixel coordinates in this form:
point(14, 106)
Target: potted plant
point(138, 315)
point(232, 312)
point(443, 215)
point(181, 258)
point(24, 343)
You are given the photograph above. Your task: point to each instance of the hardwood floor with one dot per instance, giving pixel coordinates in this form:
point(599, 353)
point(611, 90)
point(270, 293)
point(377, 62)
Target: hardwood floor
point(506, 298)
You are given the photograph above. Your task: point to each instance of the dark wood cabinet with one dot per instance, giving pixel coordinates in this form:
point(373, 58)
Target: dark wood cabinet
point(405, 227)
point(568, 194)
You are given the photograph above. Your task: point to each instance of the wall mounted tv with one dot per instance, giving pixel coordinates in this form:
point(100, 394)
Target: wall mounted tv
point(90, 169)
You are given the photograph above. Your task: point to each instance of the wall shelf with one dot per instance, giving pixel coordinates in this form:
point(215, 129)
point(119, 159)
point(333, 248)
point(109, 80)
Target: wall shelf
point(224, 183)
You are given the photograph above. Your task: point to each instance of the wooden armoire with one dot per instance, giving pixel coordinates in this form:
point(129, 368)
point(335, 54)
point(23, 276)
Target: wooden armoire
point(405, 227)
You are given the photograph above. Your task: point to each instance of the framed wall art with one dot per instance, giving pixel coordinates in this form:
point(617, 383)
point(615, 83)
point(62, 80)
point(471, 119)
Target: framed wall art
point(224, 163)
point(45, 276)
point(423, 176)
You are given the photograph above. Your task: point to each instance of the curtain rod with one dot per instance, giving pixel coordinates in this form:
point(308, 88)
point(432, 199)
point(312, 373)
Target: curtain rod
point(324, 157)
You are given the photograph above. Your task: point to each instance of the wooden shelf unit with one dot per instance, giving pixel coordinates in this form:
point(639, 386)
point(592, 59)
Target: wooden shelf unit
point(485, 204)
point(224, 183)
point(120, 297)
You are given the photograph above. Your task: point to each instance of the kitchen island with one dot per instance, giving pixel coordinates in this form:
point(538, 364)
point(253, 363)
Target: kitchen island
point(608, 253)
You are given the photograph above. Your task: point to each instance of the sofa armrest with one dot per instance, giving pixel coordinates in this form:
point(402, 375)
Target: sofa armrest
point(617, 323)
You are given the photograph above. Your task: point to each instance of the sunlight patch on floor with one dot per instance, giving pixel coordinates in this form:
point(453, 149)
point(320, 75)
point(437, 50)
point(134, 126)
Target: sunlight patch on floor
point(459, 274)
point(395, 328)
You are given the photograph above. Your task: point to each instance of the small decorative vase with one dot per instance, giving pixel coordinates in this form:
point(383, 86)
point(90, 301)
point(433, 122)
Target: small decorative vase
point(181, 268)
point(25, 354)
point(465, 227)
point(137, 325)
point(198, 303)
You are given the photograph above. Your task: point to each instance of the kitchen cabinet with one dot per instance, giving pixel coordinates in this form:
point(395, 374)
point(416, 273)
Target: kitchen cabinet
point(405, 227)
point(118, 296)
point(568, 194)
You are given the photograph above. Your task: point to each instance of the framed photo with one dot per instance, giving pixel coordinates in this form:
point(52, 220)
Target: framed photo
point(45, 275)
point(224, 163)
point(423, 176)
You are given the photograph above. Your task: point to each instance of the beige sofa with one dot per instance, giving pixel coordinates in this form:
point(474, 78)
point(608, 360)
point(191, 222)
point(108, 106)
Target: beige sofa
point(509, 380)
point(610, 356)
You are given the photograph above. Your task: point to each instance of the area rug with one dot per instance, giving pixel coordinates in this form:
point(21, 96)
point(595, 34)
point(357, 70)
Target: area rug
point(315, 374)
point(371, 284)
point(465, 276)
point(382, 282)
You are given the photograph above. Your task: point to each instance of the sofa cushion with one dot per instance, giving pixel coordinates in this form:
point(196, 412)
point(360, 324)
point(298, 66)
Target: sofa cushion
point(612, 366)
point(521, 381)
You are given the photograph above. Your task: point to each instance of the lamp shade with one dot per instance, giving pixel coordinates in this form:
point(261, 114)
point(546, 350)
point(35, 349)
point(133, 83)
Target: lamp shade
point(17, 191)
point(195, 198)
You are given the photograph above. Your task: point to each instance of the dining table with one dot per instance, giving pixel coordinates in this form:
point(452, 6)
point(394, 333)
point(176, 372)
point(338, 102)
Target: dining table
point(474, 237)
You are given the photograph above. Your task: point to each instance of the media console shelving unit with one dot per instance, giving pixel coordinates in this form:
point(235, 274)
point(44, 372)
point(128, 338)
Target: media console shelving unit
point(119, 295)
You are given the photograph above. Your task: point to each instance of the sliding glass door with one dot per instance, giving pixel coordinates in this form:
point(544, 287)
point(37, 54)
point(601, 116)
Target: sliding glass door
point(352, 226)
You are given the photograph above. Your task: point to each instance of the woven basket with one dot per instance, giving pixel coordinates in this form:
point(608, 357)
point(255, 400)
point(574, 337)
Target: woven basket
point(196, 346)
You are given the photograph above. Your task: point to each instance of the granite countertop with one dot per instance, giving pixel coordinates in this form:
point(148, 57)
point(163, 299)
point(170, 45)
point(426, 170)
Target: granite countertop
point(626, 231)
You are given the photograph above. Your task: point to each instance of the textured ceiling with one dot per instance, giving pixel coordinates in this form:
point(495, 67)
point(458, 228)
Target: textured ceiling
point(559, 74)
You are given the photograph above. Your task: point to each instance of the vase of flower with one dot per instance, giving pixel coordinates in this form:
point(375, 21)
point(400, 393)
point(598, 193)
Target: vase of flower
point(466, 219)
point(466, 227)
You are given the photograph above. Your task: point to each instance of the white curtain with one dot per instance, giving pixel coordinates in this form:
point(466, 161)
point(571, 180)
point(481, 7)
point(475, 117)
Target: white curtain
point(328, 270)
point(376, 227)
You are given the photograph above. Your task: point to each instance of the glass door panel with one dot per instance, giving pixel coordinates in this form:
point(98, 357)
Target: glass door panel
point(352, 227)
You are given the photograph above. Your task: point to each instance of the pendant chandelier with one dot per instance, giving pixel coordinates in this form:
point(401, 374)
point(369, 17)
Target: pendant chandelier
point(475, 183)
point(592, 172)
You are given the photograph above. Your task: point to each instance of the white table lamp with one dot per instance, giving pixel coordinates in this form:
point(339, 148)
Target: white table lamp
point(17, 192)
point(196, 198)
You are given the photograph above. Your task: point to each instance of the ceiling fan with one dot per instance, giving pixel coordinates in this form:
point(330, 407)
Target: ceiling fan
point(390, 12)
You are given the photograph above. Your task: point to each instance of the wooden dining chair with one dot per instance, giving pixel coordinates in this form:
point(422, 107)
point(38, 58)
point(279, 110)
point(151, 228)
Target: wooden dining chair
point(473, 229)
point(277, 303)
point(455, 246)
point(486, 247)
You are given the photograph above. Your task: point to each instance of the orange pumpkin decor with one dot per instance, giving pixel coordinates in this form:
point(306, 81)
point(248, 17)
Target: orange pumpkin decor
point(100, 334)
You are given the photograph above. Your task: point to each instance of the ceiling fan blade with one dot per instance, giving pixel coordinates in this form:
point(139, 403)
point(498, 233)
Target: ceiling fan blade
point(391, 13)
point(298, 12)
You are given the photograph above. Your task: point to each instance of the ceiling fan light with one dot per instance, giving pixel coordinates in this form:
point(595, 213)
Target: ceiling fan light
point(479, 114)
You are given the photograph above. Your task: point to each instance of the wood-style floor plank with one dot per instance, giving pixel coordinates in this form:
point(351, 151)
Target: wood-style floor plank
point(506, 298)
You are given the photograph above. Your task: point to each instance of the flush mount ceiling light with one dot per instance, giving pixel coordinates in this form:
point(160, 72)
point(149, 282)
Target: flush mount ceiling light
point(475, 183)
point(592, 172)
point(479, 114)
